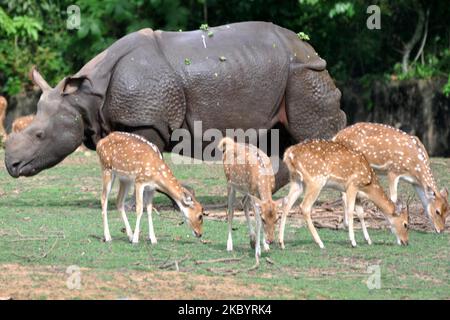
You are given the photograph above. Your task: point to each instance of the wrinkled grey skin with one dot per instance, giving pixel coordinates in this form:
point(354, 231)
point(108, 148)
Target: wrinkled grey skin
point(142, 84)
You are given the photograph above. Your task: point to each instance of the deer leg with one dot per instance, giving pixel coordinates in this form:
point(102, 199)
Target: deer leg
point(123, 191)
point(139, 210)
point(344, 201)
point(266, 247)
point(258, 233)
point(360, 213)
point(393, 185)
point(108, 180)
point(295, 191)
point(311, 195)
point(351, 198)
point(249, 223)
point(231, 199)
point(151, 231)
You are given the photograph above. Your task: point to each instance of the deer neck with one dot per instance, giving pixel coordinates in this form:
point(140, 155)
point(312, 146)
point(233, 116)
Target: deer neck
point(376, 194)
point(171, 187)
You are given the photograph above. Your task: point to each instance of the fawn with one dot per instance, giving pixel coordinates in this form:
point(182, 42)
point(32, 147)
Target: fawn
point(249, 171)
point(400, 156)
point(318, 164)
point(133, 159)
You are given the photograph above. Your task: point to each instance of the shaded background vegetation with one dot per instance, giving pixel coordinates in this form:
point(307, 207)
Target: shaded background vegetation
point(373, 68)
point(34, 32)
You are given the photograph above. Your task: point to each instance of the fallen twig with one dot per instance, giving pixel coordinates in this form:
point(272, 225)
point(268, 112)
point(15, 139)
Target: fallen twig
point(223, 271)
point(35, 258)
point(218, 260)
point(175, 263)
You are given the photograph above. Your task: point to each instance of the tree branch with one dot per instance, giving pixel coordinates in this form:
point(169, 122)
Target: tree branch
point(413, 41)
point(424, 39)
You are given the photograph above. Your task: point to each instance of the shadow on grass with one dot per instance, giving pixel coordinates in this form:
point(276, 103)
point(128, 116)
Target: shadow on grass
point(94, 202)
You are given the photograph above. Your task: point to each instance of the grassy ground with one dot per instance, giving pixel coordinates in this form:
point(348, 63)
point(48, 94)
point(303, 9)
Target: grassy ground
point(53, 221)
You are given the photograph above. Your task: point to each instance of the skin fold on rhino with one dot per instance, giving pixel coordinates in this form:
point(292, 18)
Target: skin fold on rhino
point(247, 75)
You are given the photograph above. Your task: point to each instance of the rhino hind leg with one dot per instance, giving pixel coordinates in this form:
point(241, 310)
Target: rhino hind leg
point(313, 105)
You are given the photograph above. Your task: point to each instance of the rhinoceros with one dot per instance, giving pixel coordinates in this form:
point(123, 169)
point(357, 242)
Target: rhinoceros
point(243, 75)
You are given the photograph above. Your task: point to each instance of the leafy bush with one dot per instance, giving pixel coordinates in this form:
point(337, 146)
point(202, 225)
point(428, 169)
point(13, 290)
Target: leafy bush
point(34, 32)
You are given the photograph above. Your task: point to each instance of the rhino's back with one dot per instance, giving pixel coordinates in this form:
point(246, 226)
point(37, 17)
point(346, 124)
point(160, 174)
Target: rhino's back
point(239, 71)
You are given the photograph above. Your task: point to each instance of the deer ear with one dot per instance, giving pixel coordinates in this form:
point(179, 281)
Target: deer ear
point(256, 201)
point(444, 193)
point(430, 193)
point(398, 208)
point(280, 203)
point(72, 84)
point(187, 199)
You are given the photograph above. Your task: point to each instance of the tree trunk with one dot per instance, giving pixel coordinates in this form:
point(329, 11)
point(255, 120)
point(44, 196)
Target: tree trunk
point(414, 40)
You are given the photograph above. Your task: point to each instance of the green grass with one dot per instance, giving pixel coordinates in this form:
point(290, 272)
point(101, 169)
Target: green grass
point(59, 210)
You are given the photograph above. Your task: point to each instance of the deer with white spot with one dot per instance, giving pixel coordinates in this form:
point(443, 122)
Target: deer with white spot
point(399, 156)
point(134, 160)
point(319, 164)
point(19, 124)
point(249, 171)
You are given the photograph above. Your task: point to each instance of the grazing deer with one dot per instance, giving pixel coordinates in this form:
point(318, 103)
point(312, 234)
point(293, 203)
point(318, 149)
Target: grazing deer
point(249, 170)
point(317, 164)
point(19, 124)
point(400, 156)
point(133, 159)
point(3, 107)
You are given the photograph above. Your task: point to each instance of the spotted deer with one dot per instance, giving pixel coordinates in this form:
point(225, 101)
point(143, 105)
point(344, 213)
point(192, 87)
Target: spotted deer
point(319, 164)
point(132, 159)
point(249, 171)
point(3, 107)
point(399, 156)
point(19, 124)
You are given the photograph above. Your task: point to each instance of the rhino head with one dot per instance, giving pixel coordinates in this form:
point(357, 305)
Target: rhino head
point(57, 129)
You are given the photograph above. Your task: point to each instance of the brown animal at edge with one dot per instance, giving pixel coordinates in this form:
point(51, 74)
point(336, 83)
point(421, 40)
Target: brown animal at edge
point(3, 107)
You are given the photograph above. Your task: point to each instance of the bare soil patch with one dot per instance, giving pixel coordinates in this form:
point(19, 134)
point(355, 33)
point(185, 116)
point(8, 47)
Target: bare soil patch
point(50, 282)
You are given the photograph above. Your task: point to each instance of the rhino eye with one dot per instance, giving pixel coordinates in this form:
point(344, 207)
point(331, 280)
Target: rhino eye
point(40, 134)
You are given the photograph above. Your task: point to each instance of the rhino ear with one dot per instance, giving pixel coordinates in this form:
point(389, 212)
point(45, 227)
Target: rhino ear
point(72, 84)
point(37, 79)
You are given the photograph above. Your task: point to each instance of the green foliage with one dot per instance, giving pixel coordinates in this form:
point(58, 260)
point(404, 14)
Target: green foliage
point(24, 43)
point(303, 36)
point(342, 8)
point(433, 66)
point(34, 32)
point(204, 27)
point(446, 89)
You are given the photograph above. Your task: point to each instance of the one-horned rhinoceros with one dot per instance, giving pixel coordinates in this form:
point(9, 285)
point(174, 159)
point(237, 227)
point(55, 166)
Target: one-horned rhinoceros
point(244, 75)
